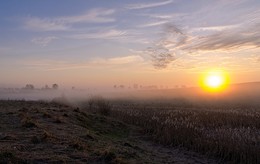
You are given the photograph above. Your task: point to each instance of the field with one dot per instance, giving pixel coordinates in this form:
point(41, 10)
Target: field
point(100, 130)
point(55, 132)
point(228, 132)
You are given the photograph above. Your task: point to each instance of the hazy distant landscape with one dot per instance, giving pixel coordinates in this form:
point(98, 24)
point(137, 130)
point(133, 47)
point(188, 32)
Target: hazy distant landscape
point(129, 82)
point(242, 93)
point(152, 126)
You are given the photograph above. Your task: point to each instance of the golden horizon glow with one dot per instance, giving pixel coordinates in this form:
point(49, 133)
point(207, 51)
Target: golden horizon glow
point(214, 81)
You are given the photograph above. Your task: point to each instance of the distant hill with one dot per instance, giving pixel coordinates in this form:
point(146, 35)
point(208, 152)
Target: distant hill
point(247, 84)
point(253, 87)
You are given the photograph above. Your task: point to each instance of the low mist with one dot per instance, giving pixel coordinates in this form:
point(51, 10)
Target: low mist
point(238, 94)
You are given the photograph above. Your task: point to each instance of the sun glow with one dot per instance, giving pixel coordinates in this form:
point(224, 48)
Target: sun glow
point(214, 81)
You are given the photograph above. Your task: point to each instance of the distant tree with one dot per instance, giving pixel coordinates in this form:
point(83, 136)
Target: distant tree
point(29, 86)
point(55, 86)
point(46, 87)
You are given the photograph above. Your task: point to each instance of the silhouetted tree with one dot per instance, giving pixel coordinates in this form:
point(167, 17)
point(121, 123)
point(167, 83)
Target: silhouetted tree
point(55, 86)
point(46, 87)
point(122, 86)
point(29, 86)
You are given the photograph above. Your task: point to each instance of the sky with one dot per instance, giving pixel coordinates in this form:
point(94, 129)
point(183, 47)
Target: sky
point(99, 44)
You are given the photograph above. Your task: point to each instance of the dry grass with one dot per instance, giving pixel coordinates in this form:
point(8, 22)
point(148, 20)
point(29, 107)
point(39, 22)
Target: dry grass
point(29, 123)
point(107, 155)
point(231, 134)
point(82, 137)
point(97, 104)
point(9, 157)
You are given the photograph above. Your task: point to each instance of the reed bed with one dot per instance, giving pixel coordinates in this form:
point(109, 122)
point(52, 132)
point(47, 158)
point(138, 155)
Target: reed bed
point(231, 134)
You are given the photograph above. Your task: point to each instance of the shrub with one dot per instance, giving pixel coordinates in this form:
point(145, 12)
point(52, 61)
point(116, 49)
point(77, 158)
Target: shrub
point(104, 106)
point(99, 105)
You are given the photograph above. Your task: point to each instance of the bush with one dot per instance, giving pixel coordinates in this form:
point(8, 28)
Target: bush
point(104, 106)
point(99, 105)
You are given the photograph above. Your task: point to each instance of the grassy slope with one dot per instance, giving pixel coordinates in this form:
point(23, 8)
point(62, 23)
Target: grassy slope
point(46, 132)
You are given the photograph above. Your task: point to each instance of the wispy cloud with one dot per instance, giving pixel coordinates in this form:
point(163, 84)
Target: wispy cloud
point(234, 38)
point(65, 23)
point(163, 52)
point(158, 23)
point(119, 60)
point(43, 41)
point(93, 16)
point(148, 5)
point(215, 28)
point(161, 57)
point(51, 65)
point(109, 34)
point(160, 16)
point(45, 24)
point(221, 38)
point(230, 39)
point(169, 16)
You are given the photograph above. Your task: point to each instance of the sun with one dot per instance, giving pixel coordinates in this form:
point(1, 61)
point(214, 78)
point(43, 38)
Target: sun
point(214, 81)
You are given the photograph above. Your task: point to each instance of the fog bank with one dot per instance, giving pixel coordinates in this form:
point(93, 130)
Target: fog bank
point(246, 93)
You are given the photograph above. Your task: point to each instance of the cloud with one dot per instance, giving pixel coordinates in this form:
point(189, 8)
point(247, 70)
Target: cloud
point(161, 57)
point(160, 16)
point(163, 52)
point(38, 24)
point(173, 37)
point(110, 34)
point(215, 28)
point(148, 5)
point(229, 39)
point(119, 60)
point(175, 41)
point(53, 65)
point(221, 38)
point(65, 23)
point(43, 41)
point(93, 16)
point(153, 24)
point(171, 28)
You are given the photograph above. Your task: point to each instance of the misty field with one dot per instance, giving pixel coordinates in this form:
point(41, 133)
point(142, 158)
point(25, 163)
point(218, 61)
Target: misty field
point(56, 132)
point(99, 130)
point(229, 133)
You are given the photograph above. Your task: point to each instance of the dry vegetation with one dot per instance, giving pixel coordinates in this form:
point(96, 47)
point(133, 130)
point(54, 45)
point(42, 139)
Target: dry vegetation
point(121, 131)
point(230, 133)
point(42, 132)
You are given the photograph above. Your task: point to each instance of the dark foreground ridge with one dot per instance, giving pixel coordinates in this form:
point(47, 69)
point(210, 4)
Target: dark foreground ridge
point(40, 132)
